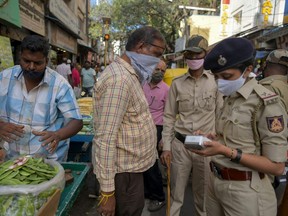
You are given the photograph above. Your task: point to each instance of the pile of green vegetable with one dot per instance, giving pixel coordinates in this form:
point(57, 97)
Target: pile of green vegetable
point(20, 172)
point(26, 170)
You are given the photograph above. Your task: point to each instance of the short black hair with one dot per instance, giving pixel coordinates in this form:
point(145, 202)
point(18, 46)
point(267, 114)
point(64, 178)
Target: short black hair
point(242, 66)
point(35, 43)
point(279, 68)
point(146, 34)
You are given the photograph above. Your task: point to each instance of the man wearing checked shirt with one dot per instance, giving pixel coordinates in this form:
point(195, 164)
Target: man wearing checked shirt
point(124, 145)
point(38, 109)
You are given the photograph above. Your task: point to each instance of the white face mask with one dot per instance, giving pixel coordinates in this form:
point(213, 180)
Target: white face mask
point(227, 87)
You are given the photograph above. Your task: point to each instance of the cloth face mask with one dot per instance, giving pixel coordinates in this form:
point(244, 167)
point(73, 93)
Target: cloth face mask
point(144, 65)
point(227, 87)
point(194, 64)
point(157, 77)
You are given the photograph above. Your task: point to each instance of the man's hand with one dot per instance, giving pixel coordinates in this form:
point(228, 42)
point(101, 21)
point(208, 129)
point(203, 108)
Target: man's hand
point(166, 157)
point(49, 139)
point(160, 145)
point(10, 132)
point(107, 204)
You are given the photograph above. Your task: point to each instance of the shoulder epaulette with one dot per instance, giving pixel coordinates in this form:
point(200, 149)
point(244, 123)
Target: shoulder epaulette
point(209, 72)
point(177, 77)
point(266, 95)
point(266, 82)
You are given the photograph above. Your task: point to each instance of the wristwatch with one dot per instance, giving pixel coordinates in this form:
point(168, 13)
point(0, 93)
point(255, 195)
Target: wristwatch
point(238, 156)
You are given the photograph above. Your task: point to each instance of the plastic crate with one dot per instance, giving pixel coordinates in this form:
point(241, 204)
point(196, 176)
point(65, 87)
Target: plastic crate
point(80, 148)
point(71, 190)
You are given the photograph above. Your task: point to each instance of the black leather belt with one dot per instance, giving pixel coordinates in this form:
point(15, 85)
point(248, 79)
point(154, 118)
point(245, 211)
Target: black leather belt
point(180, 137)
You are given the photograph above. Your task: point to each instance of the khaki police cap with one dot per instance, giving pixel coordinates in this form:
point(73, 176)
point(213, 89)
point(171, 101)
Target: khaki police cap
point(279, 56)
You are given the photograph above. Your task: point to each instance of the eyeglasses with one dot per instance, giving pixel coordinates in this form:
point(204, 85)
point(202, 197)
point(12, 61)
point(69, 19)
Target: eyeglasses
point(156, 46)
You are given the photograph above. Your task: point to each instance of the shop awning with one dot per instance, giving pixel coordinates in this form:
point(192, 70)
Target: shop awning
point(83, 44)
point(62, 26)
point(274, 33)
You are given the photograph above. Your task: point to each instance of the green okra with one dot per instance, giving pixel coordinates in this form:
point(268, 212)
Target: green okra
point(27, 170)
point(7, 203)
point(11, 182)
point(4, 175)
point(24, 173)
point(12, 175)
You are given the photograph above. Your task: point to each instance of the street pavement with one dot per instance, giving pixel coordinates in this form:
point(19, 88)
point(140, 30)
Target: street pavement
point(86, 206)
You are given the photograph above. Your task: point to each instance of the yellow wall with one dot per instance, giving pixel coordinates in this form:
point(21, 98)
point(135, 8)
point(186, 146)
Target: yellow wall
point(170, 74)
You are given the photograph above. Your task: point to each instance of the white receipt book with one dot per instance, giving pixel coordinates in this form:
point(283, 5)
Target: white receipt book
point(195, 142)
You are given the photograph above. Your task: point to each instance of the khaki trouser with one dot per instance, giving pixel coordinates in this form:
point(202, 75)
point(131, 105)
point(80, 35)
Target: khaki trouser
point(183, 161)
point(238, 198)
point(283, 207)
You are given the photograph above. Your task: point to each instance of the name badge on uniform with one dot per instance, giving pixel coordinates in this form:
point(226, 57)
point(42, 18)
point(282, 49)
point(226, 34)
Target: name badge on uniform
point(275, 124)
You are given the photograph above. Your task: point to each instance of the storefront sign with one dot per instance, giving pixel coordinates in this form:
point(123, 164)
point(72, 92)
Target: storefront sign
point(6, 57)
point(285, 19)
point(224, 16)
point(9, 12)
point(59, 9)
point(62, 39)
point(266, 11)
point(32, 15)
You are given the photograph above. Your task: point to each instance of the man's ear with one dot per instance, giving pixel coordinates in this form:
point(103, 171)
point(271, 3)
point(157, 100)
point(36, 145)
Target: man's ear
point(248, 70)
point(139, 47)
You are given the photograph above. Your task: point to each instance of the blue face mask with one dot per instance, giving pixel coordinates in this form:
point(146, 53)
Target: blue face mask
point(33, 75)
point(144, 65)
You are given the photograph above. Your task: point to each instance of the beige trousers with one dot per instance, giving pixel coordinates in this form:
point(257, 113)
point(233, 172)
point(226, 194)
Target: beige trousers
point(184, 163)
point(238, 198)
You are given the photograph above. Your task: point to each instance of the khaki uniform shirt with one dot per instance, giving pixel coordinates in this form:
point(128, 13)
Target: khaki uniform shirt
point(191, 106)
point(125, 134)
point(277, 84)
point(233, 125)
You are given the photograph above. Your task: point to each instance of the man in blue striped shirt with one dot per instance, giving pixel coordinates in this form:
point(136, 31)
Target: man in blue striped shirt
point(38, 109)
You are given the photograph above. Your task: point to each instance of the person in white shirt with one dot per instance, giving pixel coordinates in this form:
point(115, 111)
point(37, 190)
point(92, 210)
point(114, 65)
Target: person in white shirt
point(65, 70)
point(88, 77)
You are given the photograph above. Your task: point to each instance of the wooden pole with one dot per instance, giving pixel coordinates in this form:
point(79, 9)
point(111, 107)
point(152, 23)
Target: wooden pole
point(168, 188)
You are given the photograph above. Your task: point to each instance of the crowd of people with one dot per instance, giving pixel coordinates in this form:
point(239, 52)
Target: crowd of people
point(81, 78)
point(139, 119)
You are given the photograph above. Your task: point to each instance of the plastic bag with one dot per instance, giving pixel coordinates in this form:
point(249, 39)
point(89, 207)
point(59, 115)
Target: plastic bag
point(17, 199)
point(77, 92)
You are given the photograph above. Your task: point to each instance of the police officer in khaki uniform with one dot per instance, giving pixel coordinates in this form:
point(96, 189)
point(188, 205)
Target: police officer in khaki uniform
point(275, 79)
point(239, 184)
point(192, 101)
point(275, 74)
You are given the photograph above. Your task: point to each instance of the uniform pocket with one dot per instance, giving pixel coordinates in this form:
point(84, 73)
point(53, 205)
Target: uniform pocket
point(184, 102)
point(241, 126)
point(207, 100)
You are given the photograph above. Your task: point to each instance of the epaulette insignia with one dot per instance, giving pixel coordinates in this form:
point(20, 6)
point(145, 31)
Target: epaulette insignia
point(266, 95)
point(269, 98)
